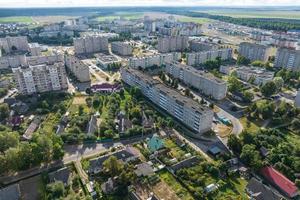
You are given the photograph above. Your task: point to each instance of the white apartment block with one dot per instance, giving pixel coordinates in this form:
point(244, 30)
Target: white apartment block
point(40, 78)
point(197, 45)
point(90, 44)
point(297, 99)
point(78, 68)
point(14, 44)
point(50, 59)
point(170, 43)
point(205, 82)
point(35, 49)
point(121, 48)
point(202, 57)
point(158, 60)
point(195, 116)
point(288, 58)
point(7, 62)
point(254, 52)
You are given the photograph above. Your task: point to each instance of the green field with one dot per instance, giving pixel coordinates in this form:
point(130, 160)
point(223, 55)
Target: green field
point(256, 14)
point(194, 19)
point(125, 15)
point(20, 19)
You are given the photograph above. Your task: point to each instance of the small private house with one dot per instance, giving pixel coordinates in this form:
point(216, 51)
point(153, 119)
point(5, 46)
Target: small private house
point(278, 180)
point(63, 175)
point(259, 191)
point(211, 188)
point(155, 143)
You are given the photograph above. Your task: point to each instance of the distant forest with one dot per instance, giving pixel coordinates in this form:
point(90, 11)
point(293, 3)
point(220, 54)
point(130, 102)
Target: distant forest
point(276, 24)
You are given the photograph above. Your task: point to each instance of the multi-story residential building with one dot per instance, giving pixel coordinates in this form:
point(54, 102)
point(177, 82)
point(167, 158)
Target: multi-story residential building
point(205, 82)
point(40, 78)
point(150, 25)
point(12, 61)
point(196, 45)
point(90, 44)
point(173, 31)
point(14, 44)
point(195, 116)
point(297, 99)
point(78, 68)
point(49, 59)
point(201, 57)
point(285, 43)
point(288, 58)
point(149, 61)
point(254, 52)
point(35, 49)
point(172, 43)
point(121, 48)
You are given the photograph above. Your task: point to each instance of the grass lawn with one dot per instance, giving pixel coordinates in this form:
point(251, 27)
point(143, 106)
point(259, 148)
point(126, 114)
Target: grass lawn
point(249, 125)
point(20, 19)
point(177, 187)
point(194, 19)
point(234, 189)
point(175, 151)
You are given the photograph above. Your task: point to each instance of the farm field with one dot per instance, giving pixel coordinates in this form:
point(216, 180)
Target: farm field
point(256, 14)
point(194, 19)
point(20, 19)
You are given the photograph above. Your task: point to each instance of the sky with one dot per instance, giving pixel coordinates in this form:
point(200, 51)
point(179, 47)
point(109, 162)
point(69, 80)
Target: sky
point(100, 3)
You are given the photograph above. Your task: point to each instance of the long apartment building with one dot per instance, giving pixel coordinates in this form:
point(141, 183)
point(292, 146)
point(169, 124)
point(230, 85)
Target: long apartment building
point(254, 52)
point(149, 61)
point(121, 48)
point(197, 45)
point(172, 43)
point(202, 57)
point(40, 78)
point(13, 44)
point(205, 82)
point(79, 69)
point(288, 58)
point(90, 44)
point(195, 116)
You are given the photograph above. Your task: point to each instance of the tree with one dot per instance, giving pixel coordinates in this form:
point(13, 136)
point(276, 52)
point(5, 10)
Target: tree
point(8, 140)
point(248, 96)
point(113, 166)
point(187, 92)
point(279, 82)
point(55, 190)
point(251, 156)
point(234, 143)
point(12, 159)
point(241, 60)
point(234, 84)
point(268, 89)
point(296, 125)
point(4, 111)
point(80, 110)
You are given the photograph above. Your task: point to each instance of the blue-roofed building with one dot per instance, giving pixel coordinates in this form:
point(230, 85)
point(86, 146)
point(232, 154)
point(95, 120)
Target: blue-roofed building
point(155, 143)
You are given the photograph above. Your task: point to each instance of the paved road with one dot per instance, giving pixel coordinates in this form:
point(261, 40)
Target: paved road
point(9, 94)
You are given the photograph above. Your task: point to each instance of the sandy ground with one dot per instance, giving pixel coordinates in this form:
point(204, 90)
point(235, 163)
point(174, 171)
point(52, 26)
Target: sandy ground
point(79, 100)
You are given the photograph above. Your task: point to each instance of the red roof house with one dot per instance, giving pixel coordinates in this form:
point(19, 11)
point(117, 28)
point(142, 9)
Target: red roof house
point(280, 181)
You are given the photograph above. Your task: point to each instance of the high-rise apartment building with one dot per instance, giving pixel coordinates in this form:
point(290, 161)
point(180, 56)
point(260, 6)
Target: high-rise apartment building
point(172, 43)
point(254, 52)
point(204, 56)
point(195, 116)
point(40, 78)
point(90, 44)
point(205, 82)
point(288, 58)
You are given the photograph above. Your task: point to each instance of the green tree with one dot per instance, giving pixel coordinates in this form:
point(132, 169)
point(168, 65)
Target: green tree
point(251, 156)
point(241, 60)
point(55, 190)
point(248, 96)
point(113, 166)
point(234, 143)
point(8, 140)
point(268, 89)
point(4, 111)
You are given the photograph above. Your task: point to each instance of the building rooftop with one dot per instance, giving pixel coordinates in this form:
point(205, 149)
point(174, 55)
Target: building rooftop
point(11, 192)
point(278, 179)
point(199, 72)
point(259, 191)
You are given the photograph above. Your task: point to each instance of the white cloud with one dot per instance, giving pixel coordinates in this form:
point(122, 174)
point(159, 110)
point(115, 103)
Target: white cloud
point(64, 3)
